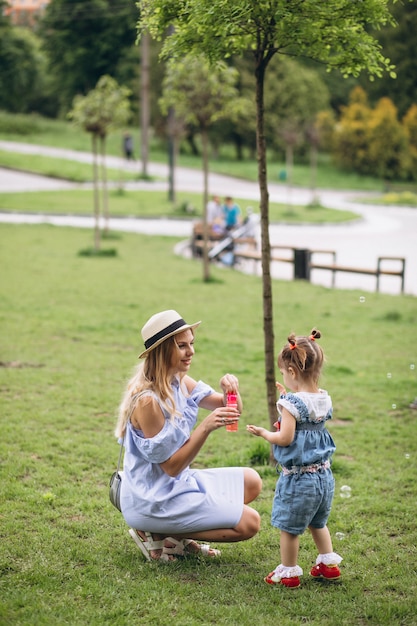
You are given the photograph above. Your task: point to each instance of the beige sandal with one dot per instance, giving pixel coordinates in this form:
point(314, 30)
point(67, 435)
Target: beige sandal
point(150, 544)
point(180, 548)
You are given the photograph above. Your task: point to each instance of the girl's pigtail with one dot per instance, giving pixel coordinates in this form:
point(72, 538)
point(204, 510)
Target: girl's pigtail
point(299, 357)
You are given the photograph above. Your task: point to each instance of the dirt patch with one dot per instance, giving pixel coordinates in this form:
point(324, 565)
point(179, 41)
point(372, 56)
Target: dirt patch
point(19, 364)
point(341, 422)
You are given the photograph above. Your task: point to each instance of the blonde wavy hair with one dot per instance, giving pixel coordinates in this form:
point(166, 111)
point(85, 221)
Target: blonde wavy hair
point(153, 374)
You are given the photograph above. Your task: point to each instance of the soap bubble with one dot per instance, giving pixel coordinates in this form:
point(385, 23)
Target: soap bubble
point(389, 375)
point(340, 536)
point(394, 406)
point(362, 299)
point(345, 491)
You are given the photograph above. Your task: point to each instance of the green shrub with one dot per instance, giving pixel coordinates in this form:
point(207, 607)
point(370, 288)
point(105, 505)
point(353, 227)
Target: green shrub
point(20, 124)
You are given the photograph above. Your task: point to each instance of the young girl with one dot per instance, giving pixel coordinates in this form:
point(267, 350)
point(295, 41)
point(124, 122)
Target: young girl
point(303, 448)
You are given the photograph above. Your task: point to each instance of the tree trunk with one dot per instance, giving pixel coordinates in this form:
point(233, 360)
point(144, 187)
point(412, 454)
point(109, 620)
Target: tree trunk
point(144, 101)
point(96, 195)
point(104, 189)
point(206, 264)
point(265, 244)
point(313, 178)
point(289, 158)
point(171, 123)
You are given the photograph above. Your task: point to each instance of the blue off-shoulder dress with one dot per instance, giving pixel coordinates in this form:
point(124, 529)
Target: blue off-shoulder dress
point(194, 500)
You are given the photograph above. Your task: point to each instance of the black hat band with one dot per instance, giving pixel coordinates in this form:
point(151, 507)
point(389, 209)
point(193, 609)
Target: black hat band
point(163, 333)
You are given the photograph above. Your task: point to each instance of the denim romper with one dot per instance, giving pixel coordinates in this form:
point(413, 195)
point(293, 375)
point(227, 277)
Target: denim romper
point(305, 488)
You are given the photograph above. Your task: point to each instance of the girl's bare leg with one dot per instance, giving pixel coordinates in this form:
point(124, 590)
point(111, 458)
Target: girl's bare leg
point(289, 546)
point(322, 539)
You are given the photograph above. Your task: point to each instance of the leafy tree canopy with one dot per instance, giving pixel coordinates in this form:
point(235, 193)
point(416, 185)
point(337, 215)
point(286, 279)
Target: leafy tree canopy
point(334, 32)
point(22, 70)
point(103, 109)
point(200, 94)
point(400, 44)
point(85, 40)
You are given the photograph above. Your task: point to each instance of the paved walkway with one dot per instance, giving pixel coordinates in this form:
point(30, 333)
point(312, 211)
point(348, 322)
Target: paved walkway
point(380, 231)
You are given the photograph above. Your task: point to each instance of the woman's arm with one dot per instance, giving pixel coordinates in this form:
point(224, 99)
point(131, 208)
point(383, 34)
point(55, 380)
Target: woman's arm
point(149, 418)
point(187, 453)
point(216, 403)
point(228, 383)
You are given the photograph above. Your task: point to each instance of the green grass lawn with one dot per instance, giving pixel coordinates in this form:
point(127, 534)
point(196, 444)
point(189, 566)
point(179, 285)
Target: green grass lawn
point(70, 336)
point(62, 134)
point(155, 204)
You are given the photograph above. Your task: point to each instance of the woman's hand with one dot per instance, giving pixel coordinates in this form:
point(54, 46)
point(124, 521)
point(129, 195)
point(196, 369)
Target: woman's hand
point(187, 453)
point(220, 417)
point(229, 382)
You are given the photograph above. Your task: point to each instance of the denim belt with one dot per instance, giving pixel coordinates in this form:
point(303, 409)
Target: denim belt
point(302, 469)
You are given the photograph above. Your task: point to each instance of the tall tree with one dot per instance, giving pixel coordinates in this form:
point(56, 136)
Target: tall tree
point(103, 109)
point(201, 95)
point(144, 102)
point(85, 39)
point(410, 127)
point(22, 69)
point(333, 32)
point(388, 142)
point(351, 134)
point(400, 44)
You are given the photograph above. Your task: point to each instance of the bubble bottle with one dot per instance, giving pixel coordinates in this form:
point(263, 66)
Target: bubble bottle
point(232, 402)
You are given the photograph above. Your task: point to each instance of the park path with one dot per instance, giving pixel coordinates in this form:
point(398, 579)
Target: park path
point(381, 231)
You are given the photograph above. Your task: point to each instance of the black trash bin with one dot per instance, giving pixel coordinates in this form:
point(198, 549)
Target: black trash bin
point(302, 263)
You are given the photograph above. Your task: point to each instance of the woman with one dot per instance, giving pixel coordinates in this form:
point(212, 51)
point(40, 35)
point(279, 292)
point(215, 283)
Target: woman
point(168, 505)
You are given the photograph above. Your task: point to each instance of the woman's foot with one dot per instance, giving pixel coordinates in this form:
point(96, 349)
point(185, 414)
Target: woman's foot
point(153, 547)
point(183, 547)
point(192, 547)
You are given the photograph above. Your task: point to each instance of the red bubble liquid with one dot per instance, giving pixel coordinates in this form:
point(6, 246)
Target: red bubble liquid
point(232, 402)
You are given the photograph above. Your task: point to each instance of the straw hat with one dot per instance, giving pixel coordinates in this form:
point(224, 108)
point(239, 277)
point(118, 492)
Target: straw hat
point(161, 326)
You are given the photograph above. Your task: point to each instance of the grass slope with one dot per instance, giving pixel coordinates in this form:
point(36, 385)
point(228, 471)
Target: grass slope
point(69, 339)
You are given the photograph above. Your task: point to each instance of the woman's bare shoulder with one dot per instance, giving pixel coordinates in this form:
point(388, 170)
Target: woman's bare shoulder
point(148, 416)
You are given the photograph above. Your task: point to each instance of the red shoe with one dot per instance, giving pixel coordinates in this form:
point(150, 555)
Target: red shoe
point(329, 572)
point(293, 582)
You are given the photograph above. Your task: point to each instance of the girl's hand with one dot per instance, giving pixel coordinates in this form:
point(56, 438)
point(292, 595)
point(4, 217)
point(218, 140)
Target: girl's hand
point(220, 417)
point(280, 388)
point(229, 382)
point(256, 430)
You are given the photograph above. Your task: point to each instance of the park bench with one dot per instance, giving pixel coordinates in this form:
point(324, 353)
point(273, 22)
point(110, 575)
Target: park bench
point(240, 241)
point(197, 238)
point(219, 242)
point(378, 272)
point(303, 261)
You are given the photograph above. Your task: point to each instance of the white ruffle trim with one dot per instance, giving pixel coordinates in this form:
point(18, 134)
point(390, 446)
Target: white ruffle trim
point(286, 572)
point(331, 558)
